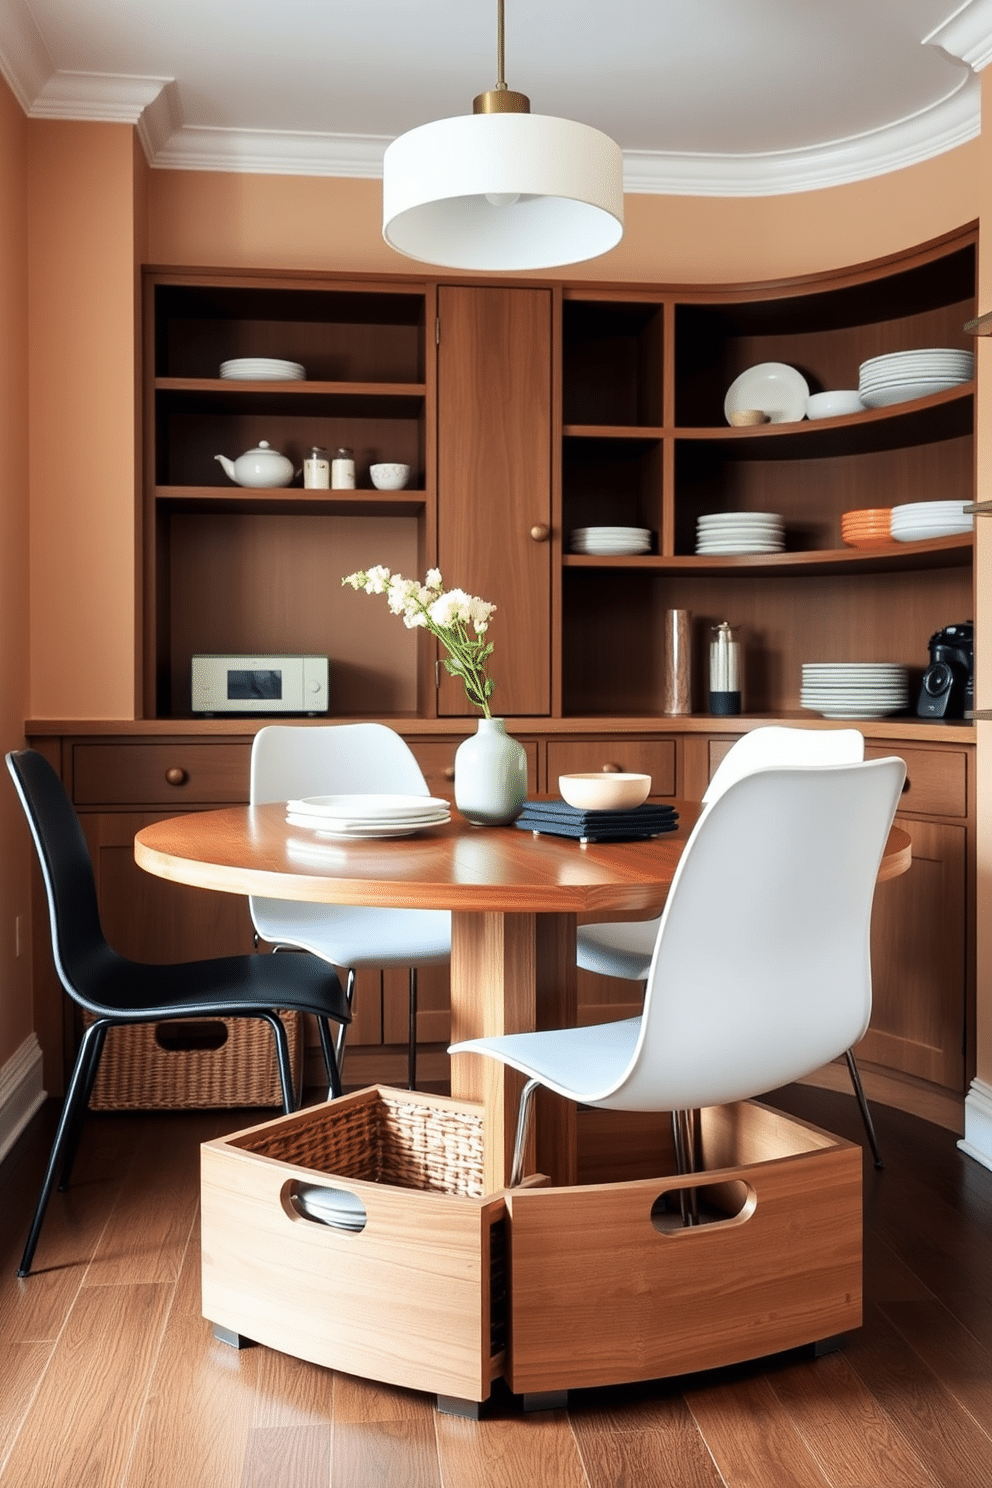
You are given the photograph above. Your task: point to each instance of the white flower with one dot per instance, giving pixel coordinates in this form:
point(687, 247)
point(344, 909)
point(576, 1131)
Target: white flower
point(434, 580)
point(376, 579)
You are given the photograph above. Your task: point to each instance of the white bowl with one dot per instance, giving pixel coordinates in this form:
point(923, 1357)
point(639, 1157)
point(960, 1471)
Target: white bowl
point(834, 405)
point(389, 477)
point(603, 792)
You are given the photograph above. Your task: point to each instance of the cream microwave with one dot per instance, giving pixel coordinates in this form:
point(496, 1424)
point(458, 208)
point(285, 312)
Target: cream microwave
point(260, 684)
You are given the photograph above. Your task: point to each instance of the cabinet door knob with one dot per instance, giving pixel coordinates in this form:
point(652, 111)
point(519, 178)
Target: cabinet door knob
point(613, 769)
point(175, 775)
point(541, 532)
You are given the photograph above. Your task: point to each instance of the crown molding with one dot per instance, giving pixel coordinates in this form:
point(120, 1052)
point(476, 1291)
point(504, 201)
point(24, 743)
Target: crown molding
point(151, 105)
point(966, 35)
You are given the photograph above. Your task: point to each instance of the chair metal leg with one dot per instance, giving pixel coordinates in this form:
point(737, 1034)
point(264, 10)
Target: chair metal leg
point(330, 1060)
point(863, 1106)
point(684, 1136)
point(523, 1128)
point(77, 1088)
point(411, 1079)
point(282, 1059)
point(73, 1136)
point(349, 993)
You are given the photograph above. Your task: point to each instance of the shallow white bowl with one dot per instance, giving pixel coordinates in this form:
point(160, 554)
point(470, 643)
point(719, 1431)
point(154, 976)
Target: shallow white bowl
point(834, 405)
point(603, 792)
point(389, 477)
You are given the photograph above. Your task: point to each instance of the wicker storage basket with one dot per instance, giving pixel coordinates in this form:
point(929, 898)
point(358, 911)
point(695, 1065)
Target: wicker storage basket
point(155, 1066)
point(415, 1297)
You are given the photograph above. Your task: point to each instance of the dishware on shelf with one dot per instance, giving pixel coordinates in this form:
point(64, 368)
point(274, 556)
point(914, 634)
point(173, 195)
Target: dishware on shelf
point(745, 418)
point(772, 387)
point(836, 404)
point(611, 542)
point(854, 689)
point(725, 671)
point(316, 469)
point(736, 533)
point(900, 376)
point(262, 369)
point(258, 468)
point(372, 816)
point(915, 521)
point(870, 527)
point(389, 476)
point(604, 791)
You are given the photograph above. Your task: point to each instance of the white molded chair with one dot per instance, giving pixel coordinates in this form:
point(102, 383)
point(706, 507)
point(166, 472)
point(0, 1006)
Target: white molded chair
point(625, 949)
point(289, 762)
point(761, 969)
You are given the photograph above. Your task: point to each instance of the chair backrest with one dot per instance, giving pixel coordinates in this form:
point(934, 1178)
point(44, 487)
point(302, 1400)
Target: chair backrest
point(762, 971)
point(288, 762)
point(776, 744)
point(74, 916)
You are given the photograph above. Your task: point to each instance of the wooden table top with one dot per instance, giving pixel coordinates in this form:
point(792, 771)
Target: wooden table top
point(254, 850)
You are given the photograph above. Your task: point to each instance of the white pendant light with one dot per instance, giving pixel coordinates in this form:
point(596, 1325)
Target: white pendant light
point(502, 188)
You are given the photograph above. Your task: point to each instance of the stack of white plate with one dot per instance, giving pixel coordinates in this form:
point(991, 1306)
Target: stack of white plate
point(262, 369)
point(902, 375)
point(729, 533)
point(367, 816)
point(331, 1206)
point(854, 689)
point(611, 542)
point(917, 520)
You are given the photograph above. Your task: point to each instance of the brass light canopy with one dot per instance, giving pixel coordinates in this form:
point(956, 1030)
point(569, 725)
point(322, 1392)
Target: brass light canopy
point(502, 189)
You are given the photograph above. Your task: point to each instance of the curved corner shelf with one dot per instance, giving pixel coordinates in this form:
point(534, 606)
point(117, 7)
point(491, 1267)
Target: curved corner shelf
point(940, 552)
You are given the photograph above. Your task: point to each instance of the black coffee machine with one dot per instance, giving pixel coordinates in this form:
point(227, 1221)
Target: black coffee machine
point(948, 689)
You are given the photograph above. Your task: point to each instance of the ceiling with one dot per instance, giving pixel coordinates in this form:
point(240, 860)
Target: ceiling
point(704, 97)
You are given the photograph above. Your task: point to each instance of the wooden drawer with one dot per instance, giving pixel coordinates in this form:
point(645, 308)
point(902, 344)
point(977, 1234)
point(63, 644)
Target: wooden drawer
point(936, 779)
point(436, 757)
point(654, 757)
point(138, 774)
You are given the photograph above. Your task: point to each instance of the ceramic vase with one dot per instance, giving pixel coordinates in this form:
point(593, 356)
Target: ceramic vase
point(490, 775)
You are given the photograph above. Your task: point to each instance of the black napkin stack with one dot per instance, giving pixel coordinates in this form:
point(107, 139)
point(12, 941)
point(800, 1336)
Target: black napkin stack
point(632, 825)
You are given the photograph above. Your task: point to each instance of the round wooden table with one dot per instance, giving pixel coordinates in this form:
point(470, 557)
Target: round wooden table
point(515, 899)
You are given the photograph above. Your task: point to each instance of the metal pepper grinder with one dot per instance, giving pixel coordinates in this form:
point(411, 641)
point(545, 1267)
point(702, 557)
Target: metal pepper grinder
point(725, 671)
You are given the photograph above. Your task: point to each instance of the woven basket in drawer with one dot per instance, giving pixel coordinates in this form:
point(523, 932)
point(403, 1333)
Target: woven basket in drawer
point(383, 1136)
point(137, 1073)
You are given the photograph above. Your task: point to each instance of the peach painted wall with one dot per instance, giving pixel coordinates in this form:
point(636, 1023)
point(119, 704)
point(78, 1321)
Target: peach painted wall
point(82, 420)
point(212, 219)
point(15, 860)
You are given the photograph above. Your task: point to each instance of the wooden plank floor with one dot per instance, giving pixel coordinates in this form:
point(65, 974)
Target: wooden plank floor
point(109, 1376)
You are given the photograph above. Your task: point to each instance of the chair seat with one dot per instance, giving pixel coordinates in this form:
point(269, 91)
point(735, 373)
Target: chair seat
point(131, 992)
point(353, 936)
point(582, 1064)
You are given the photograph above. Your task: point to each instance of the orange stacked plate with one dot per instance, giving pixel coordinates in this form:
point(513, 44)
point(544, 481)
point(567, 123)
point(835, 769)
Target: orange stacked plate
point(869, 528)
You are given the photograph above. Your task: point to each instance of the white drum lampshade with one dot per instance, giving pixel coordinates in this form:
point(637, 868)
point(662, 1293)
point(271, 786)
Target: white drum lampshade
point(502, 191)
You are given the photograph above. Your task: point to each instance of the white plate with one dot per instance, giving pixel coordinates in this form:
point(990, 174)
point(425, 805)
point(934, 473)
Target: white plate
point(910, 507)
point(938, 355)
point(611, 532)
point(736, 550)
point(367, 807)
point(778, 390)
point(343, 832)
point(884, 397)
point(737, 519)
point(262, 369)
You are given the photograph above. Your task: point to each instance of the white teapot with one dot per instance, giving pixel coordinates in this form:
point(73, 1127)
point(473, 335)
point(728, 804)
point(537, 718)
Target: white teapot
point(262, 466)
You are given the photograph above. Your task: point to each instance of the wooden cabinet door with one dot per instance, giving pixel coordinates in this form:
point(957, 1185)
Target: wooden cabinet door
point(494, 481)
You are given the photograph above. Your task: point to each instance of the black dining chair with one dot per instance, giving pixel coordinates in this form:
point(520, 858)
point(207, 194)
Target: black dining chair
point(114, 990)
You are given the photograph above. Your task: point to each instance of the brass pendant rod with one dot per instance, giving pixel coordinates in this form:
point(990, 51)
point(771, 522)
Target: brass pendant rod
point(500, 49)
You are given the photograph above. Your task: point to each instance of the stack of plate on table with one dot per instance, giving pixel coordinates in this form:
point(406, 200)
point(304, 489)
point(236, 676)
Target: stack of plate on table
point(854, 689)
point(331, 1206)
point(869, 528)
point(262, 369)
point(917, 520)
point(902, 375)
point(367, 816)
point(611, 542)
point(728, 533)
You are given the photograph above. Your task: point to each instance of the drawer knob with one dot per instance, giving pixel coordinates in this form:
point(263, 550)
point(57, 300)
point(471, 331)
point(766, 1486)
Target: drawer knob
point(176, 775)
point(541, 532)
point(449, 772)
point(613, 769)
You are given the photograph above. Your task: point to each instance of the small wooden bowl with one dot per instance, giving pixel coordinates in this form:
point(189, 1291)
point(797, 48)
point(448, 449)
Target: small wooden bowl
point(745, 417)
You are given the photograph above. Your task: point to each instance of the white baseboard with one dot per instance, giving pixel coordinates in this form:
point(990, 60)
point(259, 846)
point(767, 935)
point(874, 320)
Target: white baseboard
point(21, 1092)
point(977, 1139)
